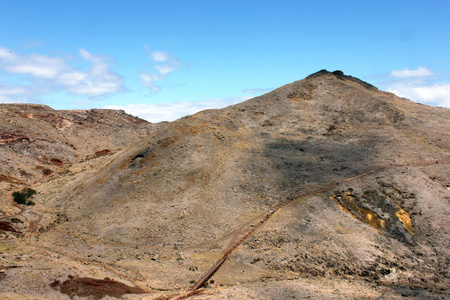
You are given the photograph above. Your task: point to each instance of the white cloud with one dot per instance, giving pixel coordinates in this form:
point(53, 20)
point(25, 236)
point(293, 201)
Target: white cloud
point(437, 94)
point(408, 73)
point(7, 54)
point(167, 69)
point(35, 65)
point(436, 91)
point(38, 66)
point(172, 111)
point(97, 81)
point(85, 54)
point(160, 56)
point(8, 92)
point(148, 80)
point(47, 74)
point(72, 78)
point(420, 85)
point(166, 64)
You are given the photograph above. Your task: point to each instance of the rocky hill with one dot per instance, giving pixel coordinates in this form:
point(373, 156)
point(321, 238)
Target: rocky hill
point(37, 141)
point(351, 186)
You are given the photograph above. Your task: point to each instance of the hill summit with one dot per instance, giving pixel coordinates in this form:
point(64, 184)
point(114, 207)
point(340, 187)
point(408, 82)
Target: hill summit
point(350, 185)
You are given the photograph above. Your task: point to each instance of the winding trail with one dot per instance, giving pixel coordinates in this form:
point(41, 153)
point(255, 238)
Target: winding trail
point(327, 187)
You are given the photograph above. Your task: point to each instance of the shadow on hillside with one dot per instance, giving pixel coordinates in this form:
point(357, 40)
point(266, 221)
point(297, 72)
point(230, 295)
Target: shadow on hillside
point(298, 164)
point(308, 166)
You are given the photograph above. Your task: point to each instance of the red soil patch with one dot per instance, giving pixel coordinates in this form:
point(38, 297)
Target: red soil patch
point(12, 136)
point(6, 226)
point(55, 120)
point(47, 172)
point(96, 288)
point(103, 152)
point(57, 162)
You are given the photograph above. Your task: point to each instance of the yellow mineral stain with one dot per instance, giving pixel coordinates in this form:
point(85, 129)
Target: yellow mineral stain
point(347, 202)
point(374, 220)
point(403, 216)
point(341, 205)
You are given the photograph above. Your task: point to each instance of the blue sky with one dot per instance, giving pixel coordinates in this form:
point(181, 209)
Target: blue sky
point(161, 60)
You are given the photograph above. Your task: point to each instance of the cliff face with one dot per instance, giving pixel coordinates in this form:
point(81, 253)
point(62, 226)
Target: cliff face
point(363, 172)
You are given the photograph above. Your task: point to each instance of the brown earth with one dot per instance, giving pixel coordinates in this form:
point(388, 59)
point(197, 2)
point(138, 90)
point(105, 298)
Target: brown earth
point(153, 206)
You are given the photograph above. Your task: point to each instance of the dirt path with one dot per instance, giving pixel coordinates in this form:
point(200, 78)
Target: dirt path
point(327, 187)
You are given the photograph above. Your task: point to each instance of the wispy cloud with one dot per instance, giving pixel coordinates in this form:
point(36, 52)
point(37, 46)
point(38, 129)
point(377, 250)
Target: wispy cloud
point(408, 73)
point(97, 81)
point(256, 91)
point(12, 93)
point(165, 65)
point(172, 111)
point(34, 65)
point(159, 56)
point(48, 74)
point(148, 80)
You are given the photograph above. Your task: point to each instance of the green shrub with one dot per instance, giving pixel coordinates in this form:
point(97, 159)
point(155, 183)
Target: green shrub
point(23, 196)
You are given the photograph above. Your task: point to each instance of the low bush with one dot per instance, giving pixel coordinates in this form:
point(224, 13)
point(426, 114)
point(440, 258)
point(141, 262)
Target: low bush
point(23, 196)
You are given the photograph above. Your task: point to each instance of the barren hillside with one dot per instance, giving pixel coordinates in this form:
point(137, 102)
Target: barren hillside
point(37, 141)
point(350, 184)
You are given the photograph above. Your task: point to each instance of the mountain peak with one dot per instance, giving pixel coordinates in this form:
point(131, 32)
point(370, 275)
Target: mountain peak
point(340, 75)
